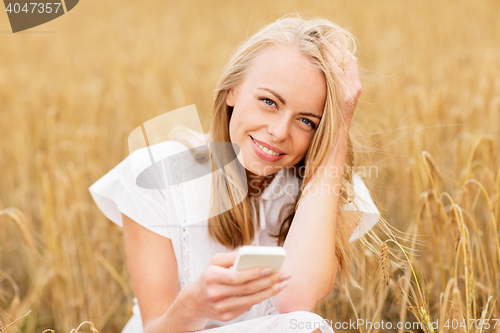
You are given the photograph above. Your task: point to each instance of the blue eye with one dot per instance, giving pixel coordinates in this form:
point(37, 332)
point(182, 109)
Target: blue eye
point(309, 122)
point(267, 99)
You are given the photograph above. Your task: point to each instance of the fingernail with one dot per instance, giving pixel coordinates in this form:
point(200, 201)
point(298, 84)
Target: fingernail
point(283, 286)
point(266, 271)
point(285, 276)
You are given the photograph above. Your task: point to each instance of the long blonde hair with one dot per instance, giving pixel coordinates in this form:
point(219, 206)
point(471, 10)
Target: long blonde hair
point(234, 227)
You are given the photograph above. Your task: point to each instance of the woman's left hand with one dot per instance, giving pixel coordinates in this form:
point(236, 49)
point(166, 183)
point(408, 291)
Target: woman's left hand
point(349, 73)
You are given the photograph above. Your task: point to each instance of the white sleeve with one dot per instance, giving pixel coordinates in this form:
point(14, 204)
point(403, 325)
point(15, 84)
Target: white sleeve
point(117, 192)
point(370, 213)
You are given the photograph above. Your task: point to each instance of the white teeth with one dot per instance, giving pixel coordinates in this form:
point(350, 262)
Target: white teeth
point(265, 150)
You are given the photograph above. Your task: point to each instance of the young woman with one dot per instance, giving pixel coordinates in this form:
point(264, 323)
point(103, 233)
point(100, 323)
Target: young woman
point(286, 100)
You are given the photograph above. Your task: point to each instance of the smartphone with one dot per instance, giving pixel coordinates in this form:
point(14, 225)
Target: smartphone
point(253, 256)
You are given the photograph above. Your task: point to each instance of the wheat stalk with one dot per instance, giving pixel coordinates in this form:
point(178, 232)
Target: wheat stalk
point(386, 266)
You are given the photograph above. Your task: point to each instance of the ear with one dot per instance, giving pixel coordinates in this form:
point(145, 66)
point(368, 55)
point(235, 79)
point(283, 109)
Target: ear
point(230, 98)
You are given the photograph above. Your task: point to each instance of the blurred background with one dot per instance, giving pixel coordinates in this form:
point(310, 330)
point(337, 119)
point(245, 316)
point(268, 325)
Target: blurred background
point(73, 89)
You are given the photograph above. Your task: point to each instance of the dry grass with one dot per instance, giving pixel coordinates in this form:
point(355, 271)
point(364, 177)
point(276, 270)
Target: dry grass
point(430, 111)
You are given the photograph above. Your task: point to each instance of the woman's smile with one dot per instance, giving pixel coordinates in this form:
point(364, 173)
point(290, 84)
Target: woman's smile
point(264, 153)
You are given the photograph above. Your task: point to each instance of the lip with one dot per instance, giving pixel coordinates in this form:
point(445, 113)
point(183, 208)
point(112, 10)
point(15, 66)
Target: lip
point(269, 146)
point(262, 155)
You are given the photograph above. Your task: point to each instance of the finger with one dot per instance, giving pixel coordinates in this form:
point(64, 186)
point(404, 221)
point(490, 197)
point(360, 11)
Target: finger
point(231, 277)
point(258, 285)
point(236, 302)
point(351, 65)
point(337, 69)
point(253, 286)
point(341, 53)
point(233, 313)
point(224, 259)
point(352, 78)
point(344, 60)
point(346, 55)
point(335, 58)
point(335, 48)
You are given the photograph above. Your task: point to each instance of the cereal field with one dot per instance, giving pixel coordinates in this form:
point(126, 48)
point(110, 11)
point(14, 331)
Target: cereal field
point(72, 90)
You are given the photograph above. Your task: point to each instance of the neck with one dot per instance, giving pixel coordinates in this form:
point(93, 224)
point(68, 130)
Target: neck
point(257, 184)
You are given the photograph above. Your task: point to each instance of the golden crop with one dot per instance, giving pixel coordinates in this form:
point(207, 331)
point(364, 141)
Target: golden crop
point(73, 89)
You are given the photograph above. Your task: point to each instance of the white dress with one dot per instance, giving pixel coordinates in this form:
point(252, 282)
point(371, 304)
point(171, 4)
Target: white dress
point(182, 218)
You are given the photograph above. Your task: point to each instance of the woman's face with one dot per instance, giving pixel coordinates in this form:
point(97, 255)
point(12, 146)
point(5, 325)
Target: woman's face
point(279, 105)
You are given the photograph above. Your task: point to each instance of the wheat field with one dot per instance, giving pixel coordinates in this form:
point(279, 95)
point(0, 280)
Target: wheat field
point(72, 90)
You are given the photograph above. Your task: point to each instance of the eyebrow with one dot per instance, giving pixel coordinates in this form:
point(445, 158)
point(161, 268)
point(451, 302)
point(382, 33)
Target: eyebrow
point(282, 100)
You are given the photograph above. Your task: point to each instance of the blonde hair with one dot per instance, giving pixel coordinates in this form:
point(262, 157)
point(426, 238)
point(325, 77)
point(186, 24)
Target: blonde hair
point(234, 227)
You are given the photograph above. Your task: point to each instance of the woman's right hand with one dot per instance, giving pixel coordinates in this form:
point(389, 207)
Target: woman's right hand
point(222, 294)
point(346, 66)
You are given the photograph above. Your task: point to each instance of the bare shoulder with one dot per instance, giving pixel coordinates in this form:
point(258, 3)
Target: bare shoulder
point(153, 269)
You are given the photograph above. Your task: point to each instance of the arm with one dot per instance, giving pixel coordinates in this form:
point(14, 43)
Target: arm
point(310, 243)
point(153, 269)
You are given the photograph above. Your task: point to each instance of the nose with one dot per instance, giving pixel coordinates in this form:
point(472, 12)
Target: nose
point(279, 129)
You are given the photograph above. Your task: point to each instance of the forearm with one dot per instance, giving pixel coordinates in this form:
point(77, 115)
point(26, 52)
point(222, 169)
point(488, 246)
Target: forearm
point(310, 243)
point(177, 318)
